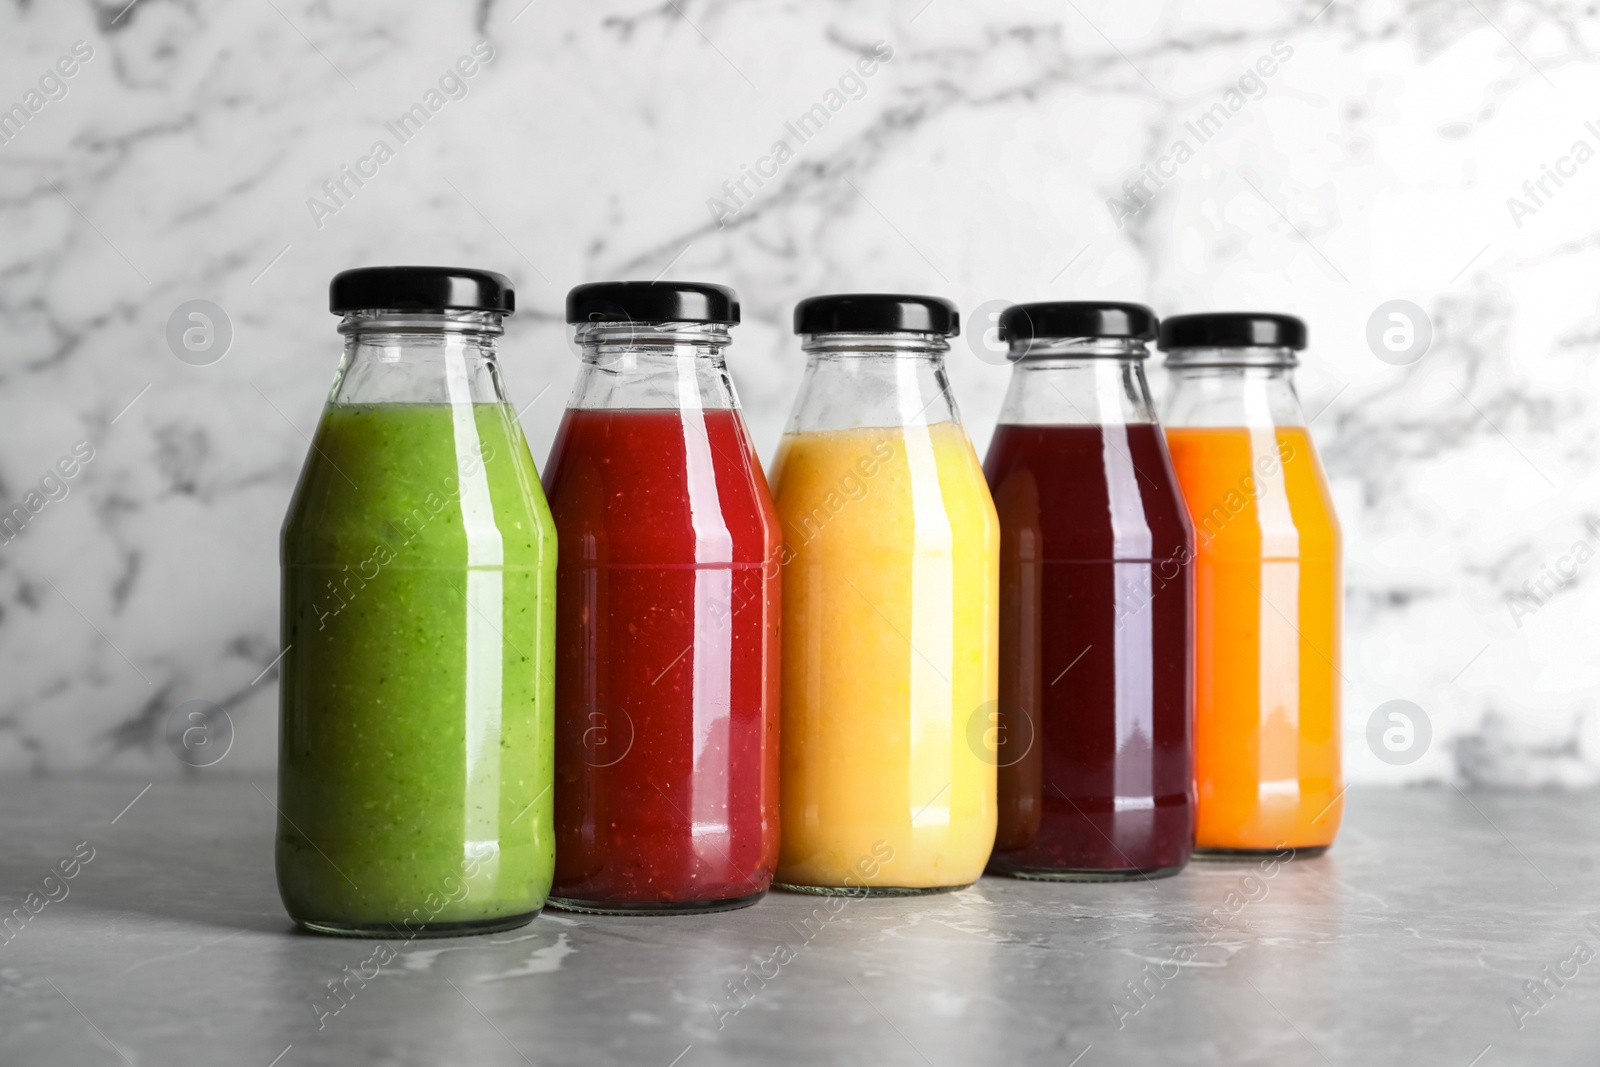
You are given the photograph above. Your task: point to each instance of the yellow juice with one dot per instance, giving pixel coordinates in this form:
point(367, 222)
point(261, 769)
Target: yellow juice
point(890, 667)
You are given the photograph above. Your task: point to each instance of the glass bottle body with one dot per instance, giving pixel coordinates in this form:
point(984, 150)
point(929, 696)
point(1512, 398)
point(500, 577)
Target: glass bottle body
point(1267, 605)
point(666, 752)
point(890, 596)
point(417, 680)
point(1096, 698)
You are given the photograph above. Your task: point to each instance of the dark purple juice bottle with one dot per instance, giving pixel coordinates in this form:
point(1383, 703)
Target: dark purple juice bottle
point(1096, 778)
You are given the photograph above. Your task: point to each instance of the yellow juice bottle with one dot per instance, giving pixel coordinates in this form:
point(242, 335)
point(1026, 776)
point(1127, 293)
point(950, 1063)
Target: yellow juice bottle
point(890, 611)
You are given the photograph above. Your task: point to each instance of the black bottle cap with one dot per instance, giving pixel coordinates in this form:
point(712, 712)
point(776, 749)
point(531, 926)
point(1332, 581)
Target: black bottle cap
point(1077, 318)
point(652, 302)
point(1233, 329)
point(877, 313)
point(420, 289)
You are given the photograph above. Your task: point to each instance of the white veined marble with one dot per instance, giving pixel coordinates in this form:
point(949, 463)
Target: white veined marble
point(979, 161)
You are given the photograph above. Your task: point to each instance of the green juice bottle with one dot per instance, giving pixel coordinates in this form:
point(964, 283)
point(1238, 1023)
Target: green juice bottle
point(419, 564)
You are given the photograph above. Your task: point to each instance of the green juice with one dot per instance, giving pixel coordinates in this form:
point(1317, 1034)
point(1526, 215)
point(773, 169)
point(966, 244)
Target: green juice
point(415, 771)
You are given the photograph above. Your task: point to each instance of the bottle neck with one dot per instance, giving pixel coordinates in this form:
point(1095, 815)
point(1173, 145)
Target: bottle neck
point(875, 345)
point(1242, 356)
point(1083, 381)
point(1232, 387)
point(861, 380)
point(436, 357)
point(655, 365)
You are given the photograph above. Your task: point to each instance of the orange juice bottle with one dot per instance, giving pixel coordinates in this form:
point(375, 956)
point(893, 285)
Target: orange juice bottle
point(1267, 587)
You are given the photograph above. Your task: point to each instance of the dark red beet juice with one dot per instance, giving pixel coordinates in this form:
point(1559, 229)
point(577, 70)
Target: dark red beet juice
point(1094, 645)
point(666, 686)
point(1096, 775)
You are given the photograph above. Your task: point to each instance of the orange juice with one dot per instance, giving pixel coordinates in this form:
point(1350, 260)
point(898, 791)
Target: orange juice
point(1267, 596)
point(890, 634)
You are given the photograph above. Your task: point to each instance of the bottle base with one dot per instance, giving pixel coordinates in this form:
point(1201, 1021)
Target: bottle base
point(1078, 874)
point(867, 890)
point(665, 907)
point(1248, 855)
point(333, 928)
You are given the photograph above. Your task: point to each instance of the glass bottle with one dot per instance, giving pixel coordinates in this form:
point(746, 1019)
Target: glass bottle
point(1095, 592)
point(414, 765)
point(667, 632)
point(1267, 586)
point(889, 609)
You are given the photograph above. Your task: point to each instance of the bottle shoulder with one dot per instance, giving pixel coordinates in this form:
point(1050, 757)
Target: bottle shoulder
point(1257, 492)
point(659, 486)
point(437, 483)
point(1088, 492)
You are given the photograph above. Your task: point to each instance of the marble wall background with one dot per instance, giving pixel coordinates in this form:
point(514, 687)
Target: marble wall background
point(1375, 163)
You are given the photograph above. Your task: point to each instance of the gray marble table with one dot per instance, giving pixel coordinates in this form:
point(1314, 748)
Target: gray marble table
point(1411, 942)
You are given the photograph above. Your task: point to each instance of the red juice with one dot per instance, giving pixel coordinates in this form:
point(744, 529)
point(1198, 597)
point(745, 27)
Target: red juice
point(1096, 776)
point(666, 792)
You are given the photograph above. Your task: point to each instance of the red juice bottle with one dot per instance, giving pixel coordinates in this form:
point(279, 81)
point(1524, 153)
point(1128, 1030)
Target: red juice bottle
point(1096, 777)
point(666, 756)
